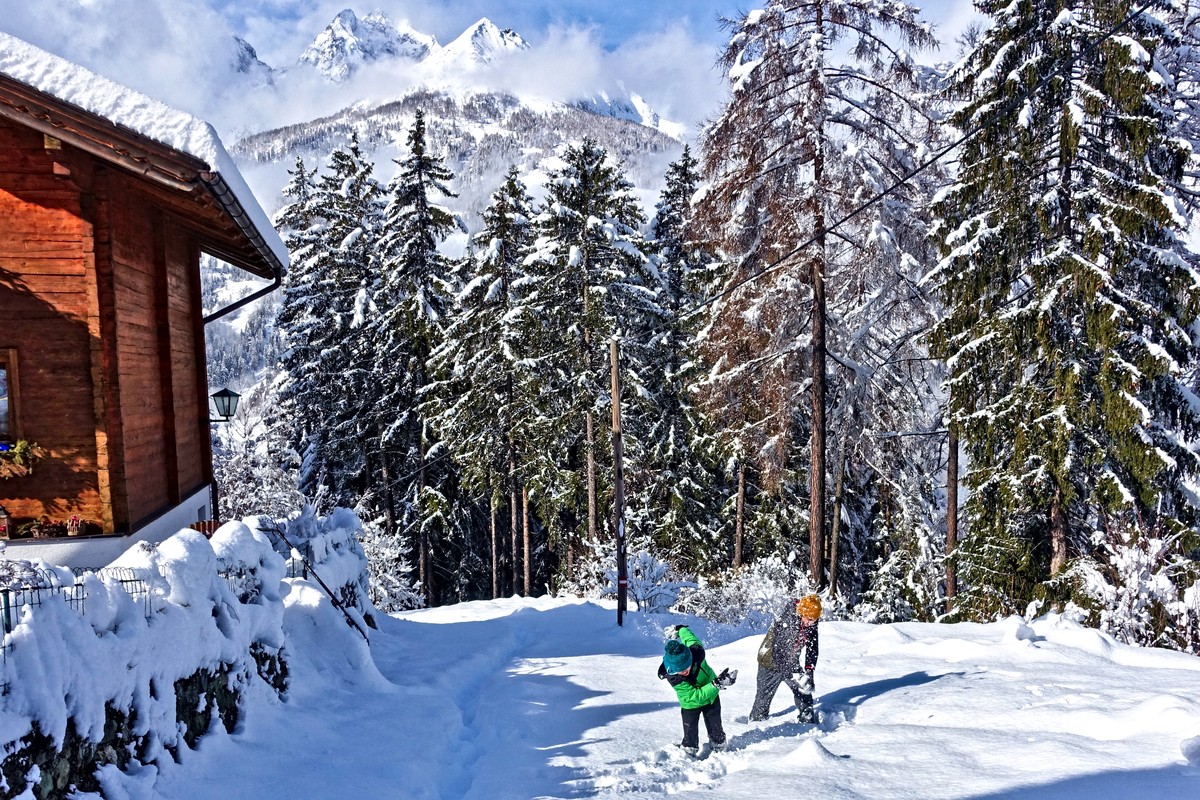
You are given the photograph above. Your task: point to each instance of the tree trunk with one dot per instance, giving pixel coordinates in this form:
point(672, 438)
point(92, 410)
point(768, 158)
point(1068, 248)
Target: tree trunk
point(951, 516)
point(495, 553)
point(816, 511)
point(424, 562)
point(1058, 535)
point(385, 475)
point(515, 521)
point(838, 492)
point(739, 521)
point(592, 524)
point(528, 542)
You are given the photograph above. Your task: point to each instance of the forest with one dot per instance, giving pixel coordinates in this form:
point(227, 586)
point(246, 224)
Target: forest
point(923, 340)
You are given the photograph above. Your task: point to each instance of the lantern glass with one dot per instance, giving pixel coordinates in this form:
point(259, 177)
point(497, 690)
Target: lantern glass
point(226, 403)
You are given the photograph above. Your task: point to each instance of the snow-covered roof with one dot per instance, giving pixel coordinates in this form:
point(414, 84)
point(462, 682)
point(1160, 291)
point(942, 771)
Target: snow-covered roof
point(77, 86)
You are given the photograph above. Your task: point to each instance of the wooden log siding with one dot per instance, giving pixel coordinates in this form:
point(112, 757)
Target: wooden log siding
point(188, 371)
point(46, 260)
point(137, 271)
point(99, 294)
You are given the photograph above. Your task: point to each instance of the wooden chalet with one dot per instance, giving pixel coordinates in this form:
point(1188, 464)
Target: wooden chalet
point(102, 360)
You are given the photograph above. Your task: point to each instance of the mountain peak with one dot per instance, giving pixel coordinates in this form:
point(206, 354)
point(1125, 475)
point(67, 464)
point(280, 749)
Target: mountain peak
point(349, 42)
point(483, 43)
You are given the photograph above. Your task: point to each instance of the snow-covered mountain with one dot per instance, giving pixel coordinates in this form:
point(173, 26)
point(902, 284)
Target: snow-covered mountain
point(629, 106)
point(479, 133)
point(249, 64)
point(477, 125)
point(350, 46)
point(348, 43)
point(482, 44)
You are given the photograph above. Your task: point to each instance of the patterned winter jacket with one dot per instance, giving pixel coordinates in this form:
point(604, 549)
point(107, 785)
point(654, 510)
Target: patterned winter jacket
point(791, 645)
point(696, 689)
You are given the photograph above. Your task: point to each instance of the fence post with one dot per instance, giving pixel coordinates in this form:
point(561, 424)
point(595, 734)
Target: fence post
point(7, 611)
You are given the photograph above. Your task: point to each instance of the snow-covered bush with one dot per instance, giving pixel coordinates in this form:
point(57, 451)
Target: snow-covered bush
point(330, 550)
point(142, 657)
point(1142, 589)
point(392, 585)
point(653, 584)
point(750, 596)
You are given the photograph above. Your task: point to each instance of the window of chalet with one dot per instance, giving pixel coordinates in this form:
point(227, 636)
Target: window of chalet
point(8, 388)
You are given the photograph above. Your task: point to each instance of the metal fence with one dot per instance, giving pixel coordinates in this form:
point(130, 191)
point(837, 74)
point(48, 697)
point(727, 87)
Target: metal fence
point(23, 586)
point(31, 587)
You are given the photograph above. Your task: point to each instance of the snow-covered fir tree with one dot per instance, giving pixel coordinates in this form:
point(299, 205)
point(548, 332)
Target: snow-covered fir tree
point(411, 305)
point(675, 494)
point(479, 402)
point(331, 225)
point(589, 279)
point(1070, 293)
point(820, 117)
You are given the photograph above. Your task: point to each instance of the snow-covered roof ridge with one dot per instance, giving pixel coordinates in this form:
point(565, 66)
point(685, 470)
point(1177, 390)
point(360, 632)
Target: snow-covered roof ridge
point(154, 120)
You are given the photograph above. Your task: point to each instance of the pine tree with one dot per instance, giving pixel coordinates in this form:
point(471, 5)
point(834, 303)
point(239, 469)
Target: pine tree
point(333, 225)
point(589, 279)
point(673, 496)
point(413, 299)
point(478, 404)
point(797, 145)
point(1069, 292)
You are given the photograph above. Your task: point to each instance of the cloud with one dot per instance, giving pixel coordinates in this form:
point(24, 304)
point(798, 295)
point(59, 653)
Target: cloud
point(674, 71)
point(179, 51)
point(176, 51)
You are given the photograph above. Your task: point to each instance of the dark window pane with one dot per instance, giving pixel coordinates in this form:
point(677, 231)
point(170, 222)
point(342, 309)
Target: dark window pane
point(5, 425)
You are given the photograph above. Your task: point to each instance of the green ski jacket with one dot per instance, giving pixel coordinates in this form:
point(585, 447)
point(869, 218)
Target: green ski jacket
point(695, 689)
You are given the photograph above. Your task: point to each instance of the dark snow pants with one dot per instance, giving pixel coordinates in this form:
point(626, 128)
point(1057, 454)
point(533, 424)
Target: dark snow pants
point(768, 684)
point(712, 723)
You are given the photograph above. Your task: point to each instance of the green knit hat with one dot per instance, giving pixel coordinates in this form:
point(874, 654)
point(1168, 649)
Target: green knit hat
point(676, 657)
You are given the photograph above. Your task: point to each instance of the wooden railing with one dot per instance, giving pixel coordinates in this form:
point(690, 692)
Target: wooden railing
point(206, 526)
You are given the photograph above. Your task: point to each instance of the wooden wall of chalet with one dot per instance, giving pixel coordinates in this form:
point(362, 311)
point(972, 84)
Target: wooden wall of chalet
point(158, 346)
point(47, 293)
point(99, 291)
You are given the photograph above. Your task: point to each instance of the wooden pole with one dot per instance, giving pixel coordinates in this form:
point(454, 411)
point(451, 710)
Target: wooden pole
point(619, 484)
point(951, 516)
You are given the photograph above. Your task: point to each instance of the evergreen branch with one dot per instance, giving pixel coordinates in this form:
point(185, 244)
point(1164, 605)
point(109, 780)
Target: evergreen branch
point(978, 128)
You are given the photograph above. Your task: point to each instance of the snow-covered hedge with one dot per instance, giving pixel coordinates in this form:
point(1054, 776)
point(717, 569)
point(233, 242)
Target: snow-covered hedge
point(326, 550)
point(139, 660)
point(111, 657)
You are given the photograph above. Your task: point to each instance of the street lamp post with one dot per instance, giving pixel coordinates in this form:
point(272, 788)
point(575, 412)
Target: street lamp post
point(226, 403)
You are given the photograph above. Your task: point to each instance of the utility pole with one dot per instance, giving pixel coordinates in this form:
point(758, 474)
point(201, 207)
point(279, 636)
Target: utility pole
point(619, 483)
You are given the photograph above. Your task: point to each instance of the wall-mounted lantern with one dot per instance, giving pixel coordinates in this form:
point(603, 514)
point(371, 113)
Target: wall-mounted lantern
point(226, 402)
point(3, 521)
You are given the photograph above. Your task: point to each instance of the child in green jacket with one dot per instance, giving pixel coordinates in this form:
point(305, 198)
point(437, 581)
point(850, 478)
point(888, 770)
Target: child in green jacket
point(696, 685)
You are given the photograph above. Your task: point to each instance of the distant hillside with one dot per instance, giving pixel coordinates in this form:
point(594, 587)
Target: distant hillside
point(480, 134)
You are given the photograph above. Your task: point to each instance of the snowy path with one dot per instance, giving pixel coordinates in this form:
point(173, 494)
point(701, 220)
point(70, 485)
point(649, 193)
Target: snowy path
point(547, 699)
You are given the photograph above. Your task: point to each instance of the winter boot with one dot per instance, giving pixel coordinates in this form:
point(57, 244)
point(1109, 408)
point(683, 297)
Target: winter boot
point(808, 716)
point(691, 752)
point(718, 746)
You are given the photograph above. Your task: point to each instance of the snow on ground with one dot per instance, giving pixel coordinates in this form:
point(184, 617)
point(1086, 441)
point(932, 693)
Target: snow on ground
point(543, 698)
